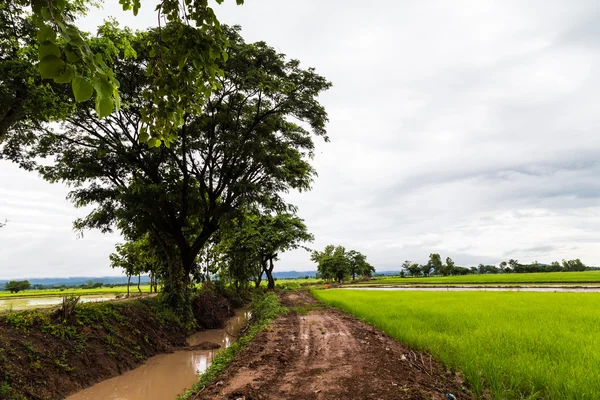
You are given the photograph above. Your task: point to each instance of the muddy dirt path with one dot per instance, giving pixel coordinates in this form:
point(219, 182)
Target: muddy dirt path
point(327, 354)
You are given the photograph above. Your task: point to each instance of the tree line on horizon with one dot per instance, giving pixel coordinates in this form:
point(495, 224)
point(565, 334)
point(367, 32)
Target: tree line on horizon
point(435, 266)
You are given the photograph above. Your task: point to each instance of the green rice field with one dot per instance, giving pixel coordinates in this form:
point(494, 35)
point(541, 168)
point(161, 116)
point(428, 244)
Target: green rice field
point(508, 345)
point(585, 277)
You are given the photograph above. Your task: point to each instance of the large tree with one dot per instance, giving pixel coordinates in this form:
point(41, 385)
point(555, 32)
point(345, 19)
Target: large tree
point(359, 265)
point(259, 238)
point(332, 263)
point(248, 144)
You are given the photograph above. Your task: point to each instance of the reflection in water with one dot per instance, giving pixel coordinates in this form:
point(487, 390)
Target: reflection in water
point(25, 303)
point(167, 375)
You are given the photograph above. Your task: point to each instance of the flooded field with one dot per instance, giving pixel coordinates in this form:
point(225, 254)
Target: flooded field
point(167, 375)
point(26, 303)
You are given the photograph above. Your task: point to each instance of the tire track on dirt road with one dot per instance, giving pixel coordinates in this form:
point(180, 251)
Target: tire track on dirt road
point(327, 354)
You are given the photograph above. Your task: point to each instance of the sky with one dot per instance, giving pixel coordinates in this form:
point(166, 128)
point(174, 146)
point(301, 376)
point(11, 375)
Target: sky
point(465, 128)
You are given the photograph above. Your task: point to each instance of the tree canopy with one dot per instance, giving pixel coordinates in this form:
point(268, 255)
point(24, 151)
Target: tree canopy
point(243, 147)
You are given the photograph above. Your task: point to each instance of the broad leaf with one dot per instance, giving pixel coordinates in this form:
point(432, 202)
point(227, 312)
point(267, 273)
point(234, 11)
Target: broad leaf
point(48, 49)
point(51, 67)
point(104, 106)
point(82, 89)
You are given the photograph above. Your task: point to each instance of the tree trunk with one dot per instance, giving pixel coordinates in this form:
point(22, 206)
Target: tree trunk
point(258, 280)
point(269, 272)
point(128, 283)
point(139, 279)
point(151, 281)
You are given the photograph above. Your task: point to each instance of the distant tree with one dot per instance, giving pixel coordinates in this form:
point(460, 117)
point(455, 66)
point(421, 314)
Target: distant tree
point(573, 265)
point(414, 269)
point(435, 262)
point(98, 285)
point(555, 266)
point(503, 266)
point(359, 265)
point(17, 286)
point(406, 264)
point(513, 264)
point(448, 268)
point(402, 275)
point(90, 284)
point(332, 263)
point(426, 269)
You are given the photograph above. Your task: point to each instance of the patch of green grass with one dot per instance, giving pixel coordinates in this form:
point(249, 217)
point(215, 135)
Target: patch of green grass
point(514, 344)
point(585, 277)
point(265, 309)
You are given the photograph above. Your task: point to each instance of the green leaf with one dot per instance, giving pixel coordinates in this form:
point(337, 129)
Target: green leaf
point(66, 76)
point(144, 136)
point(104, 106)
point(46, 34)
point(48, 49)
point(51, 67)
point(136, 7)
point(103, 87)
point(225, 56)
point(82, 89)
point(72, 56)
point(153, 142)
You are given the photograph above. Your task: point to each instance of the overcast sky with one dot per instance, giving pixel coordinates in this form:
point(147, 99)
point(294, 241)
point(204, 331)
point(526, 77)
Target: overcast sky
point(468, 128)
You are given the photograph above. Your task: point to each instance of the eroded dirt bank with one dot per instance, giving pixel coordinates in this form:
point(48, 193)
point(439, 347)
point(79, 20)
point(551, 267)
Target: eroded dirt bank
point(44, 356)
point(323, 353)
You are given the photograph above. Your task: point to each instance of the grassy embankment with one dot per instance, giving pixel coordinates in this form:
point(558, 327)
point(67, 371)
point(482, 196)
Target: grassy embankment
point(76, 291)
point(508, 345)
point(555, 278)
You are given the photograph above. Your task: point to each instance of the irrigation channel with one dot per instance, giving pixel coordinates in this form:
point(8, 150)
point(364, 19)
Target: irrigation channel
point(167, 375)
point(577, 289)
point(26, 303)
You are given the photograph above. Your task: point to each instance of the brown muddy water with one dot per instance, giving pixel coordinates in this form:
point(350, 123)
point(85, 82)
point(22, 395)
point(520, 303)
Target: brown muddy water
point(26, 303)
point(583, 289)
point(167, 375)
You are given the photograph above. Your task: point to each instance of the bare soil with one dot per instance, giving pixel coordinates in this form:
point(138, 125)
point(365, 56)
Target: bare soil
point(328, 354)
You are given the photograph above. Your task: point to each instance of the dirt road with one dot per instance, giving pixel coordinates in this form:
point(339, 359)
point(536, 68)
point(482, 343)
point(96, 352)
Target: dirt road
point(323, 353)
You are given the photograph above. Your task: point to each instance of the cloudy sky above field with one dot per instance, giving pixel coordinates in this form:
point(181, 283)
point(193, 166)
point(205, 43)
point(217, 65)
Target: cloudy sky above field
point(468, 128)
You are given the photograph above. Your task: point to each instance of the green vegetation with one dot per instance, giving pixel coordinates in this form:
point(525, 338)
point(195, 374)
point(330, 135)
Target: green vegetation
point(17, 286)
point(585, 277)
point(517, 345)
point(265, 308)
point(334, 263)
point(435, 267)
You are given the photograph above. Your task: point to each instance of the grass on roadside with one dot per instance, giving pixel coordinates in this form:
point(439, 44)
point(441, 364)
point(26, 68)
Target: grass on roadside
point(512, 345)
point(265, 308)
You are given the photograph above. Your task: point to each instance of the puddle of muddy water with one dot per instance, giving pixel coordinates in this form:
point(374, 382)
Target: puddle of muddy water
point(26, 303)
point(167, 375)
point(485, 289)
